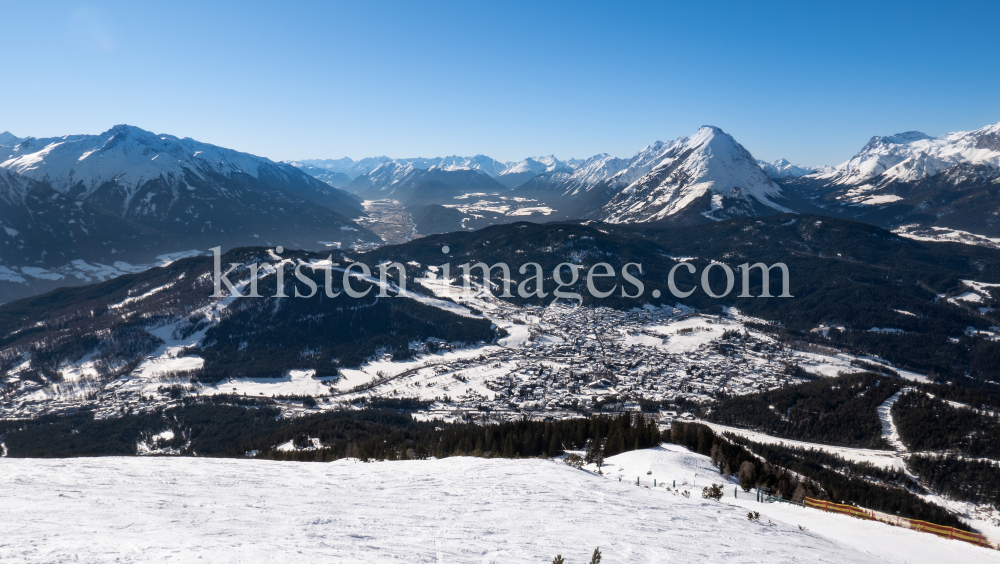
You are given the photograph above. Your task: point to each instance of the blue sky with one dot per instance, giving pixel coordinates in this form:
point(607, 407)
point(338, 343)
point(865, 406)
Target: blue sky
point(809, 81)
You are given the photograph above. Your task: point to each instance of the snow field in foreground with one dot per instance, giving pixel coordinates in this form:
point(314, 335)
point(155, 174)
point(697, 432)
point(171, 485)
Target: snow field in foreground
point(452, 510)
point(881, 542)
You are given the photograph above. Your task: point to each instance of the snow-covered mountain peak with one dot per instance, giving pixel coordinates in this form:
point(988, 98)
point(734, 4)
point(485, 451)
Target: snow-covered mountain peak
point(905, 137)
point(985, 138)
point(709, 170)
point(345, 165)
point(711, 135)
point(128, 156)
point(642, 162)
point(124, 130)
point(394, 167)
point(588, 174)
point(482, 163)
point(8, 139)
point(550, 161)
point(538, 165)
point(912, 156)
point(654, 147)
point(173, 184)
point(782, 168)
point(385, 175)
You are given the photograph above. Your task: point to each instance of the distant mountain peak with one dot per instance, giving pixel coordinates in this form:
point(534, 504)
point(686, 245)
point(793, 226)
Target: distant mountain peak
point(8, 139)
point(708, 174)
point(782, 168)
point(125, 128)
point(908, 136)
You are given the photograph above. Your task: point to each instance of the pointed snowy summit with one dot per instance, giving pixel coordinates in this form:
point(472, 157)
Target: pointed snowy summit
point(708, 174)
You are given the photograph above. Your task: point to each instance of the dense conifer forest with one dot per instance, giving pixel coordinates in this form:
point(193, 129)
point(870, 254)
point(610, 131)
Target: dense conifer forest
point(843, 411)
point(234, 426)
point(210, 427)
point(840, 411)
point(341, 437)
point(325, 334)
point(976, 481)
point(928, 423)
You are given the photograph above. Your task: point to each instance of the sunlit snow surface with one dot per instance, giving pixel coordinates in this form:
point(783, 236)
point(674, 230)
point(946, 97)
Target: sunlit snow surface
point(453, 510)
point(710, 162)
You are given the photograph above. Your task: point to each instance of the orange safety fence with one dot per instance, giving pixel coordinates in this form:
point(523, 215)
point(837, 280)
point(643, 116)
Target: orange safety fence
point(921, 526)
point(839, 508)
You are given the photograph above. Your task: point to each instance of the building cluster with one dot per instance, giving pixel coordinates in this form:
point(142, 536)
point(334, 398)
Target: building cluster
point(553, 362)
point(572, 361)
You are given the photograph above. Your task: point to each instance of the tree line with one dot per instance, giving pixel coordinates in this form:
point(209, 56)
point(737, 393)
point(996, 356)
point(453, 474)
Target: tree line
point(395, 436)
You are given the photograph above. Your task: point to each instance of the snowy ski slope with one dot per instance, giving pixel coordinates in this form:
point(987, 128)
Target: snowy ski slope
point(453, 510)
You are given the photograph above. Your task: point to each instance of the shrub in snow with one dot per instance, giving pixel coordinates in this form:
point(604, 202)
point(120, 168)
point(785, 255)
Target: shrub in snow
point(574, 460)
point(594, 559)
point(713, 492)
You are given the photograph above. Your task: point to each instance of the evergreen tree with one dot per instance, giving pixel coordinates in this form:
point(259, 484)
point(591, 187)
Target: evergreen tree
point(596, 558)
point(748, 475)
point(592, 446)
point(599, 455)
point(554, 449)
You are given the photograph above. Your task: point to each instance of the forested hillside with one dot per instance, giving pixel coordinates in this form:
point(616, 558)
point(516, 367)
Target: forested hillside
point(841, 411)
point(928, 423)
point(855, 286)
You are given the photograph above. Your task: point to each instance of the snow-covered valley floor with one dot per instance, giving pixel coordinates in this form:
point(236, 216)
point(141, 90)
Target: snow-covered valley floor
point(453, 510)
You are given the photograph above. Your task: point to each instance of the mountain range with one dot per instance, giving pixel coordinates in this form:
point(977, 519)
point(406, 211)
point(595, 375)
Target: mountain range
point(707, 176)
point(781, 168)
point(85, 207)
point(80, 208)
point(910, 180)
point(951, 182)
